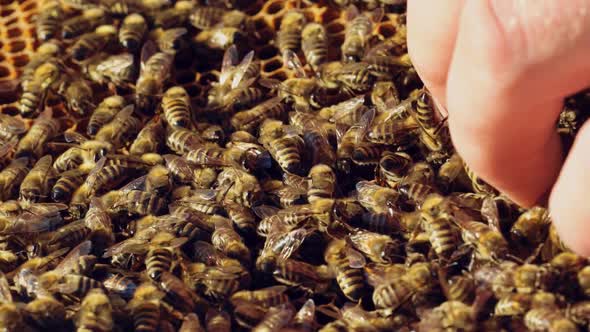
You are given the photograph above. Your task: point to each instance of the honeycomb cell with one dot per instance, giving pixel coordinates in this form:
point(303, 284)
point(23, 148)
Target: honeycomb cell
point(280, 75)
point(28, 5)
point(329, 15)
point(5, 2)
point(386, 30)
point(16, 46)
point(10, 110)
point(4, 71)
point(2, 56)
point(6, 12)
point(273, 7)
point(272, 65)
point(267, 52)
point(20, 60)
point(14, 32)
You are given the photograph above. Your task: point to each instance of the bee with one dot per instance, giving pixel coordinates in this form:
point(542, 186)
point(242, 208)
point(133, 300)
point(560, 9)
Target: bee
point(132, 31)
point(46, 52)
point(322, 182)
point(387, 66)
point(248, 316)
point(38, 182)
point(385, 97)
point(479, 185)
point(169, 41)
point(289, 34)
point(548, 318)
point(118, 70)
point(438, 224)
point(298, 273)
point(78, 95)
point(221, 37)
point(191, 322)
point(358, 32)
point(354, 77)
point(123, 126)
point(348, 138)
point(530, 277)
point(218, 282)
point(11, 317)
point(206, 253)
point(449, 316)
point(304, 93)
point(11, 176)
point(49, 21)
point(89, 20)
point(145, 307)
point(175, 16)
point(347, 264)
point(276, 318)
point(177, 107)
point(513, 305)
point(67, 183)
point(314, 44)
point(179, 295)
point(46, 312)
point(379, 248)
point(286, 149)
point(218, 321)
point(137, 202)
point(375, 198)
point(34, 91)
point(206, 17)
point(155, 70)
point(531, 227)
point(228, 241)
point(96, 312)
point(242, 217)
point(578, 313)
point(393, 167)
point(583, 277)
point(265, 297)
point(250, 119)
point(91, 42)
point(391, 132)
point(104, 113)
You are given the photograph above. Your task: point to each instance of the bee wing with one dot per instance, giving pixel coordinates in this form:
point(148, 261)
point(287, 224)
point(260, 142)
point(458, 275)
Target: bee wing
point(202, 194)
point(45, 209)
point(364, 125)
point(293, 62)
point(125, 113)
point(230, 59)
point(356, 259)
point(181, 165)
point(241, 69)
point(223, 273)
point(342, 109)
point(178, 242)
point(147, 51)
point(264, 211)
point(28, 222)
point(270, 83)
point(377, 15)
point(70, 261)
point(489, 211)
point(133, 246)
point(115, 63)
point(294, 239)
point(174, 33)
point(93, 173)
point(72, 136)
point(12, 124)
point(351, 12)
point(137, 184)
point(5, 294)
point(402, 107)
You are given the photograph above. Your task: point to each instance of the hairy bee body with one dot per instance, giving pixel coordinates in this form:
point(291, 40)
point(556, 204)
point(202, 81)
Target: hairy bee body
point(11, 176)
point(181, 140)
point(91, 42)
point(314, 43)
point(132, 31)
point(289, 34)
point(350, 280)
point(96, 312)
point(139, 202)
point(38, 182)
point(49, 21)
point(205, 17)
point(158, 260)
point(176, 106)
point(322, 183)
point(87, 21)
point(149, 139)
point(67, 184)
point(250, 119)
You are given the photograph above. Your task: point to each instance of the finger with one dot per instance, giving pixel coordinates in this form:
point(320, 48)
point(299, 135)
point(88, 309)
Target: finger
point(569, 199)
point(432, 30)
point(513, 63)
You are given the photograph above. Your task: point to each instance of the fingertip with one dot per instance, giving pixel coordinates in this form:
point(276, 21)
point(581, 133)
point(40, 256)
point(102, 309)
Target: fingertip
point(569, 199)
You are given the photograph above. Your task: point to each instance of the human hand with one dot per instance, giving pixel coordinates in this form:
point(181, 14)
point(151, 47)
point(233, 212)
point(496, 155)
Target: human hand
point(502, 68)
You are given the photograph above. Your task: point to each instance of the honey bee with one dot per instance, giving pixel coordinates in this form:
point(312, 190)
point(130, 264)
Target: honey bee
point(265, 297)
point(96, 312)
point(221, 37)
point(438, 224)
point(393, 167)
point(548, 318)
point(348, 138)
point(78, 95)
point(155, 70)
point(191, 322)
point(583, 277)
point(479, 185)
point(249, 120)
point(218, 321)
point(132, 31)
point(249, 316)
point(314, 44)
point(322, 182)
point(218, 282)
point(177, 107)
point(298, 273)
point(136, 202)
point(354, 77)
point(11, 176)
point(181, 297)
point(87, 21)
point(375, 198)
point(38, 182)
point(578, 313)
point(45, 311)
point(379, 248)
point(48, 22)
point(289, 34)
point(88, 44)
point(145, 307)
point(276, 318)
point(513, 305)
point(358, 32)
point(175, 16)
point(303, 92)
point(169, 41)
point(67, 183)
point(385, 96)
point(118, 70)
point(286, 149)
point(120, 284)
point(387, 66)
point(348, 112)
point(347, 264)
point(450, 315)
point(44, 77)
point(123, 126)
point(242, 217)
point(531, 227)
point(206, 17)
point(530, 277)
point(228, 241)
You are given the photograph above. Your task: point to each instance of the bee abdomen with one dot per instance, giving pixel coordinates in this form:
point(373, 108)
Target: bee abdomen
point(351, 282)
point(158, 260)
point(146, 317)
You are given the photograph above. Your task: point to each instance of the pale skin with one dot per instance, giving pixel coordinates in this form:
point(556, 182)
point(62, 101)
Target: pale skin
point(501, 69)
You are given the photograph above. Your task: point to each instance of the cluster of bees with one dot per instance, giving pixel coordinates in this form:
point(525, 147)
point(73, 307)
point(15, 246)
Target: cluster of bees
point(329, 199)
